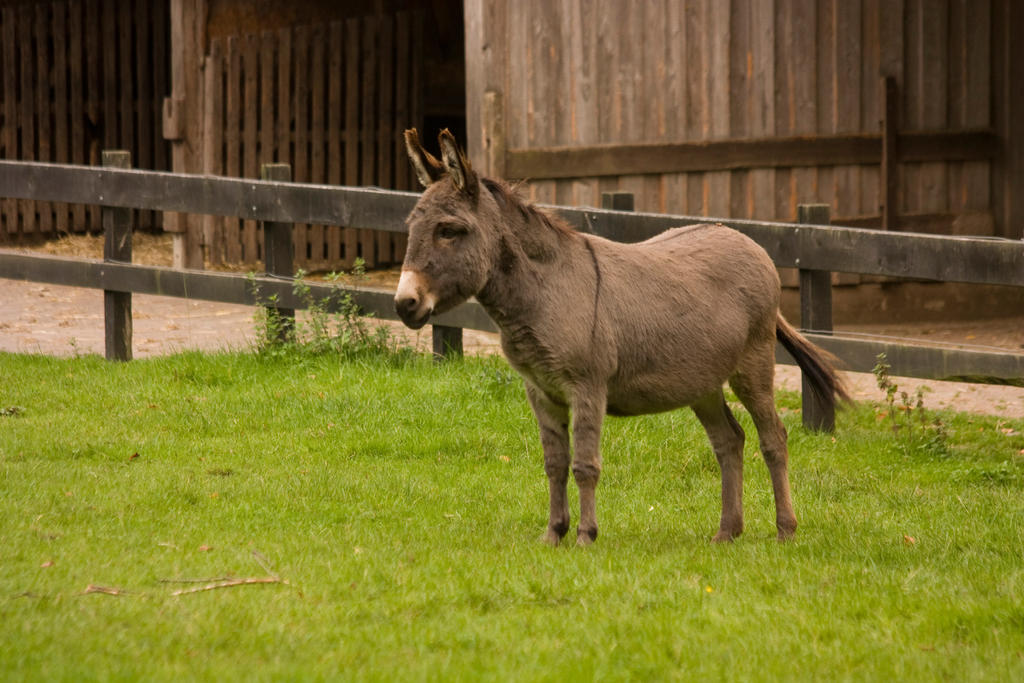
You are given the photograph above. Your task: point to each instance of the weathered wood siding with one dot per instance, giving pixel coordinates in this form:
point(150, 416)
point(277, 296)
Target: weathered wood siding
point(581, 73)
point(79, 76)
point(332, 101)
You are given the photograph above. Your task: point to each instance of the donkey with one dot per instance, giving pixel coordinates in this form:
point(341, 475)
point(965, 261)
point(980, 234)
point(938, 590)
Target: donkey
point(595, 327)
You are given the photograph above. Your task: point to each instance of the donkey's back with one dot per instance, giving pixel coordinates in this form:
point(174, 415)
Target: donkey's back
point(683, 310)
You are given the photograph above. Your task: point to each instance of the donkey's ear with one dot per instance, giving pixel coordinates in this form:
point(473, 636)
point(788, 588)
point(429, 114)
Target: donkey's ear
point(457, 164)
point(428, 168)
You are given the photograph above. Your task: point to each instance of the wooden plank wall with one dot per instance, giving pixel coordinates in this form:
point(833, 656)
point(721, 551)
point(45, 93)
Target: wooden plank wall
point(332, 100)
point(589, 72)
point(80, 76)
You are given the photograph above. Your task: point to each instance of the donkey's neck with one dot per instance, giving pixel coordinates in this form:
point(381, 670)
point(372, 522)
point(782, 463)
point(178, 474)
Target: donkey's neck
point(532, 254)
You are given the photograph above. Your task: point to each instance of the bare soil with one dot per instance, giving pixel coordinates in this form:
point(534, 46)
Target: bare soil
point(49, 319)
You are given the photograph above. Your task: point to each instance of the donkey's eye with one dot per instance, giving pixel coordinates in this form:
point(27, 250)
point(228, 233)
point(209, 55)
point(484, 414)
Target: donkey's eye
point(450, 231)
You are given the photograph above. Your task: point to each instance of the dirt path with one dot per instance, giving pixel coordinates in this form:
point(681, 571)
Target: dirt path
point(48, 319)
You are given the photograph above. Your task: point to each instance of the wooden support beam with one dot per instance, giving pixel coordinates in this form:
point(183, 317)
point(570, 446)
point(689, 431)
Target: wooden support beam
point(816, 315)
point(117, 247)
point(738, 154)
point(278, 251)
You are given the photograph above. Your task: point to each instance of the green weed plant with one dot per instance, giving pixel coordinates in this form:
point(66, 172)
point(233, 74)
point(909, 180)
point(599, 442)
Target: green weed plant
point(333, 324)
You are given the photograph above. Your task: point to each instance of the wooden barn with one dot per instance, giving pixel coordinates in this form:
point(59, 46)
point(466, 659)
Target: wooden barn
point(903, 114)
point(899, 114)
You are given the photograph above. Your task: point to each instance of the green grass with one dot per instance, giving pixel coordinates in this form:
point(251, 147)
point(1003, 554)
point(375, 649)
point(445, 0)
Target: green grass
point(403, 502)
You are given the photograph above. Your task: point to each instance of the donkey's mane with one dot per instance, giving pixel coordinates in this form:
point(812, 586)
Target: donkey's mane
point(510, 196)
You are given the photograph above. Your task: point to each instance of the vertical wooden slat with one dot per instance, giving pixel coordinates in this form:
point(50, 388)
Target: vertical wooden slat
point(976, 180)
point(300, 104)
point(934, 26)
point(267, 124)
point(160, 70)
point(232, 142)
point(301, 96)
point(385, 123)
point(673, 198)
point(762, 98)
point(213, 127)
point(93, 41)
point(889, 176)
point(250, 158)
point(367, 139)
point(718, 195)
point(697, 112)
point(144, 57)
point(654, 69)
point(783, 210)
point(739, 66)
point(11, 207)
point(846, 111)
point(42, 106)
point(142, 24)
point(79, 153)
point(870, 108)
point(27, 113)
point(824, 70)
point(335, 80)
point(123, 75)
point(284, 97)
point(109, 76)
point(403, 38)
point(61, 151)
point(350, 235)
point(804, 108)
point(287, 77)
point(318, 150)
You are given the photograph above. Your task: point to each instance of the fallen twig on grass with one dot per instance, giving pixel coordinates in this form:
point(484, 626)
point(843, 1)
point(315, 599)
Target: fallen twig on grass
point(213, 580)
point(230, 583)
point(105, 590)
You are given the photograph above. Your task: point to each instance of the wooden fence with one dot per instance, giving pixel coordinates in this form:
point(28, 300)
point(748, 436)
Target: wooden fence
point(79, 76)
point(330, 100)
point(816, 250)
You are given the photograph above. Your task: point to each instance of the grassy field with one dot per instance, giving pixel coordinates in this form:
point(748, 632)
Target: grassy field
point(395, 506)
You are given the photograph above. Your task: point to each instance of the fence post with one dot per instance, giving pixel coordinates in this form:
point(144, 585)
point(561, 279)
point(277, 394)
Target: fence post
point(278, 250)
point(617, 201)
point(816, 315)
point(447, 342)
point(117, 246)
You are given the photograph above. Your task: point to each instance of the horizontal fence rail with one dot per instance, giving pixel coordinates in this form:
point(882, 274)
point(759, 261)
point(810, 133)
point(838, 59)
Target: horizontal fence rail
point(815, 249)
point(858, 355)
point(976, 260)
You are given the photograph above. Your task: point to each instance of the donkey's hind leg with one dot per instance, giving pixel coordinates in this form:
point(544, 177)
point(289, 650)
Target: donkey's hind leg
point(753, 383)
point(726, 438)
point(553, 421)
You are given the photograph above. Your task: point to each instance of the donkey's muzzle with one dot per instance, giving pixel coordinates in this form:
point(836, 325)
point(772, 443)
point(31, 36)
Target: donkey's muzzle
point(411, 313)
point(413, 303)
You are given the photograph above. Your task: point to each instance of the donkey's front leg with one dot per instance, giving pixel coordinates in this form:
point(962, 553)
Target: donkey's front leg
point(553, 420)
point(588, 409)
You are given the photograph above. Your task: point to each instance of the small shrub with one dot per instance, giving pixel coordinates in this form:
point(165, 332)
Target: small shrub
point(914, 432)
point(334, 324)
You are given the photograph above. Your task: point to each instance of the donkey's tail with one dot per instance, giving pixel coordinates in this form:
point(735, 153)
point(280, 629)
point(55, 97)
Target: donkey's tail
point(819, 365)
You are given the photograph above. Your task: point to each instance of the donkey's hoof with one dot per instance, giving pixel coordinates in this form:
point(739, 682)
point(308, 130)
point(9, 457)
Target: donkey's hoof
point(726, 536)
point(551, 538)
point(786, 534)
point(585, 537)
